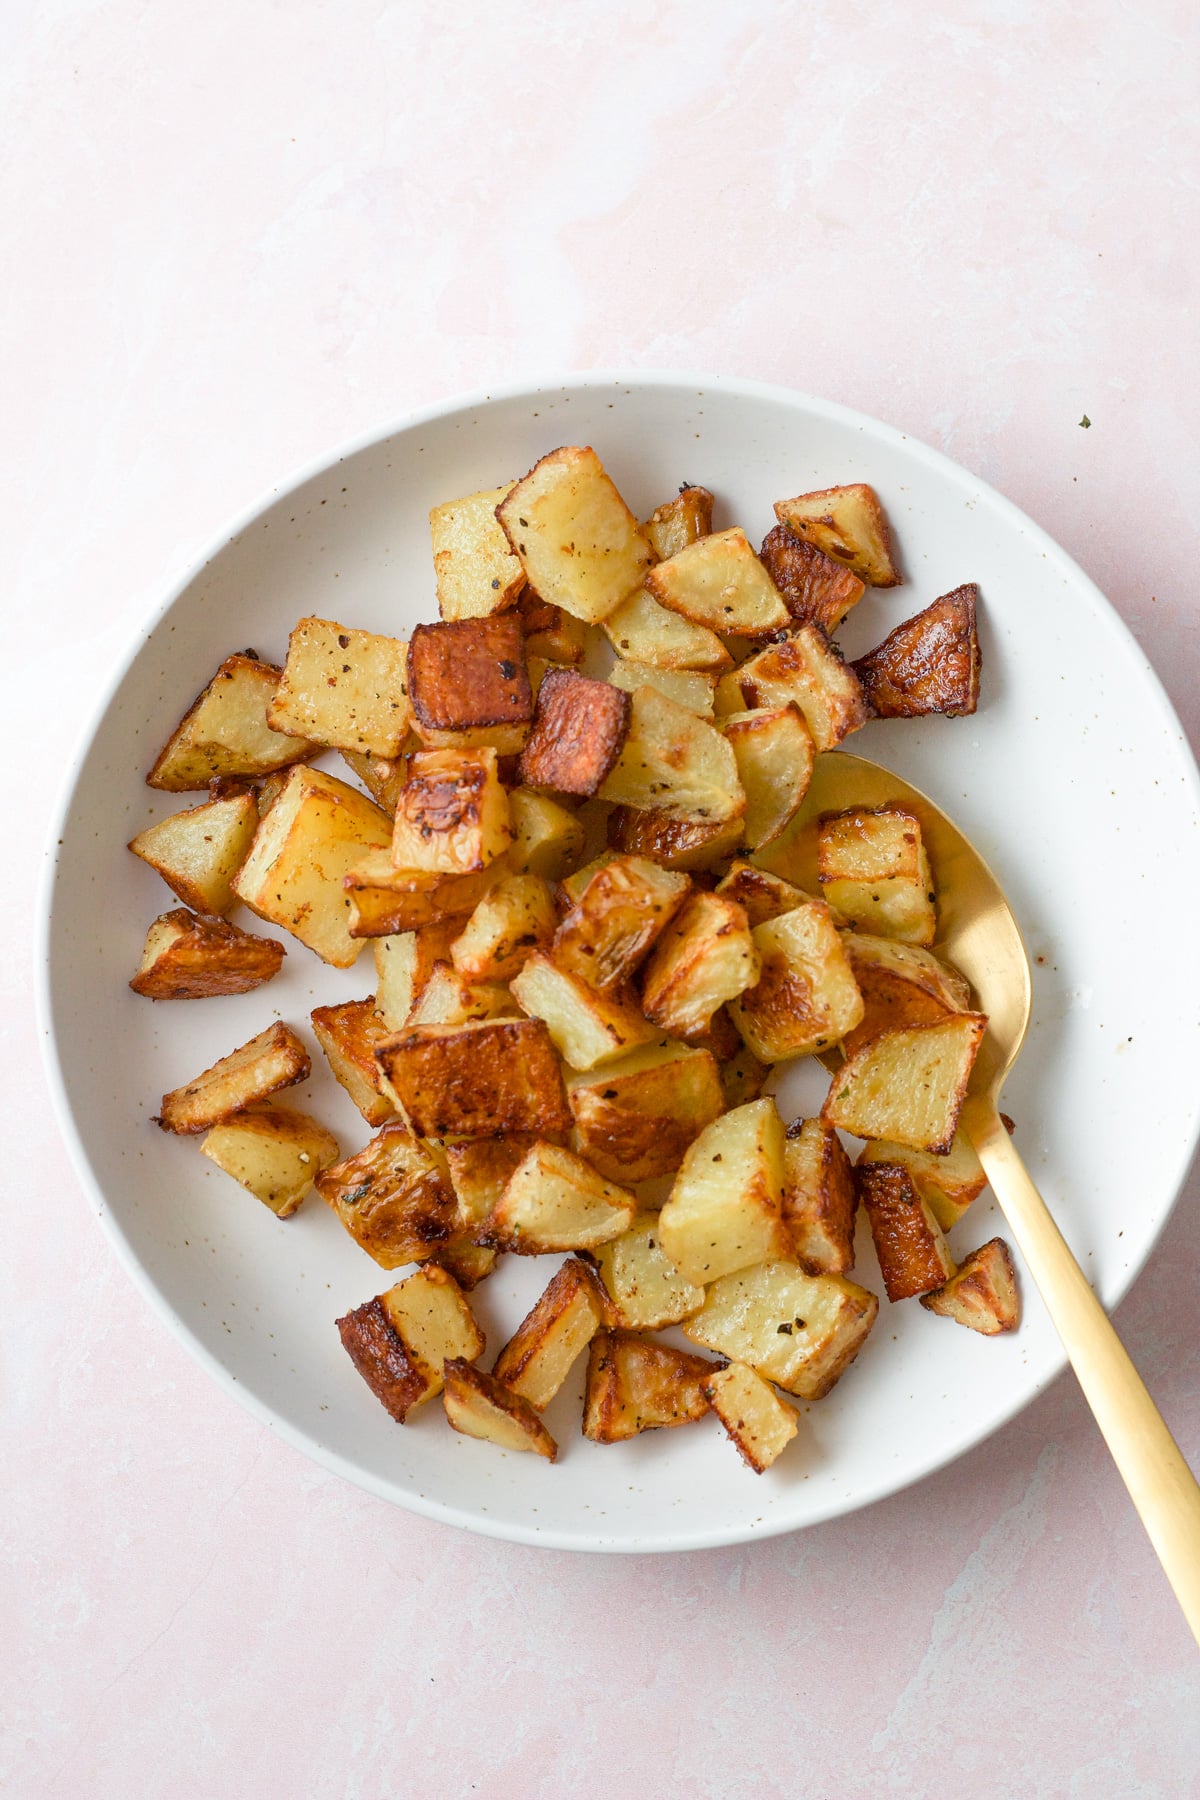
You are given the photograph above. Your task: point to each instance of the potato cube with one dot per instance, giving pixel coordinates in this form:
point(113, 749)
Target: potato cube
point(199, 852)
point(762, 895)
point(468, 682)
point(479, 1407)
point(542, 1351)
point(382, 776)
point(225, 731)
point(385, 901)
point(513, 918)
point(344, 688)
point(274, 1059)
point(314, 834)
point(551, 635)
point(578, 730)
point(348, 1034)
point(645, 632)
point(579, 544)
point(725, 1209)
point(743, 1077)
point(872, 865)
point(679, 521)
point(644, 1288)
point(819, 1198)
point(448, 998)
point(705, 957)
point(477, 573)
point(848, 524)
point(636, 1117)
point(547, 839)
point(901, 984)
point(816, 590)
point(760, 1425)
point(686, 844)
point(401, 1341)
point(806, 997)
point(556, 1201)
point(393, 1197)
point(913, 1255)
point(692, 688)
point(621, 913)
point(636, 1385)
point(983, 1295)
point(908, 1085)
point(800, 1331)
point(481, 1169)
point(186, 958)
point(929, 664)
point(588, 1028)
point(477, 1080)
point(273, 1152)
point(674, 762)
point(395, 969)
point(774, 755)
point(805, 668)
point(452, 817)
point(268, 790)
point(949, 1183)
point(718, 581)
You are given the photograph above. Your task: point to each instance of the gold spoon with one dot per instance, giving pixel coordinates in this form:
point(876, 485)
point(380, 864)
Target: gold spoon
point(980, 936)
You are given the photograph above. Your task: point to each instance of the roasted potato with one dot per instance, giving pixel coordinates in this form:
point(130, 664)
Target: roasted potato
point(762, 895)
point(273, 1152)
point(635, 1118)
point(848, 524)
point(717, 581)
point(913, 1255)
point(901, 984)
point(819, 1198)
point(806, 997)
point(760, 1425)
point(448, 998)
point(273, 1060)
point(556, 1200)
point(619, 916)
point(382, 776)
point(686, 844)
point(385, 901)
point(674, 762)
point(634, 1385)
point(949, 1183)
point(929, 664)
point(401, 1341)
point(680, 521)
point(579, 729)
point(645, 632)
point(186, 958)
point(743, 1077)
point(452, 816)
point(645, 1289)
point(514, 918)
point(816, 590)
point(774, 755)
point(704, 958)
point(800, 1331)
point(805, 668)
point(469, 684)
point(725, 1208)
point(872, 865)
point(983, 1295)
point(348, 1034)
point(481, 1079)
point(908, 1085)
point(478, 1406)
point(393, 1197)
point(199, 852)
point(579, 544)
point(547, 839)
point(225, 731)
point(692, 688)
point(542, 1351)
point(481, 1169)
point(343, 688)
point(477, 573)
point(588, 1027)
point(551, 635)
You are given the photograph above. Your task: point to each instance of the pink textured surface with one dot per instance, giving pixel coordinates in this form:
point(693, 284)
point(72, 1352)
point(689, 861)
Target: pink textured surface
point(237, 235)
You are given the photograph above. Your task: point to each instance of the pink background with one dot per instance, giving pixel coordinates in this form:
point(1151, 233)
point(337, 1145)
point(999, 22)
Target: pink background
point(234, 235)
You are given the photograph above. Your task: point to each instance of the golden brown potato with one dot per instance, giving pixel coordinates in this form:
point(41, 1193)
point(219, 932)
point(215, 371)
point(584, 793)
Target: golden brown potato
point(816, 590)
point(717, 581)
point(687, 844)
point(225, 731)
point(448, 998)
point(674, 762)
point(949, 1182)
point(805, 668)
point(555, 1200)
point(274, 1059)
point(705, 957)
point(806, 997)
point(275, 1153)
point(481, 1169)
point(542, 1351)
point(588, 1028)
point(199, 852)
point(477, 1080)
point(913, 1255)
point(645, 632)
point(468, 683)
point(645, 1290)
point(800, 1331)
point(578, 731)
point(819, 1198)
point(679, 521)
point(636, 1117)
point(393, 1197)
point(382, 776)
point(872, 865)
point(929, 664)
point(514, 918)
point(343, 688)
point(385, 901)
point(401, 1341)
point(693, 688)
point(547, 839)
point(760, 1425)
point(579, 544)
point(983, 1295)
point(551, 635)
point(848, 524)
point(908, 1085)
point(452, 817)
point(266, 791)
point(186, 958)
point(348, 1034)
point(621, 913)
point(743, 1077)
point(763, 895)
point(634, 1384)
point(725, 1208)
point(901, 984)
point(476, 571)
point(774, 755)
point(479, 1407)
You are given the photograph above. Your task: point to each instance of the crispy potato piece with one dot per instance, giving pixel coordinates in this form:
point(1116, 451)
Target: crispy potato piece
point(718, 582)
point(198, 852)
point(774, 755)
point(574, 886)
point(806, 997)
point(186, 958)
point(805, 668)
point(274, 1059)
point(800, 1331)
point(621, 913)
point(316, 831)
point(913, 1255)
point(225, 731)
point(514, 918)
point(344, 688)
point(385, 901)
point(469, 684)
point(395, 975)
point(724, 1211)
point(468, 1262)
point(692, 688)
point(636, 1385)
point(578, 732)
point(743, 1077)
point(401, 1341)
point(819, 1198)
point(550, 633)
point(579, 544)
point(760, 1425)
point(348, 1034)
point(452, 817)
point(268, 790)
point(547, 839)
point(382, 776)
point(762, 895)
point(588, 1028)
point(908, 1085)
point(816, 590)
point(479, 1407)
point(948, 1183)
point(275, 1153)
point(542, 1351)
point(679, 522)
point(674, 762)
point(645, 632)
point(872, 865)
point(448, 998)
point(929, 664)
point(477, 573)
point(687, 844)
point(393, 1197)
point(556, 1200)
point(636, 1117)
point(481, 1169)
point(983, 1296)
point(645, 1290)
point(901, 985)
point(704, 958)
point(480, 1079)
point(848, 524)
point(720, 1036)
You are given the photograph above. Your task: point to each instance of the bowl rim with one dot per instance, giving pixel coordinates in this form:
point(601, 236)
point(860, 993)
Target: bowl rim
point(656, 1541)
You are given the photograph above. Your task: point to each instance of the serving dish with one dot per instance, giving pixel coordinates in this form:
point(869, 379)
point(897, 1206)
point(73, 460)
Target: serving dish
point(1074, 779)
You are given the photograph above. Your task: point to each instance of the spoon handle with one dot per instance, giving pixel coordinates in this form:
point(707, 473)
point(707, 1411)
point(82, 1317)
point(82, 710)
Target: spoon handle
point(1160, 1484)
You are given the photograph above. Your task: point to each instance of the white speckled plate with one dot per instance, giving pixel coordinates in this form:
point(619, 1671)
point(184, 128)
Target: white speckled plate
point(1074, 780)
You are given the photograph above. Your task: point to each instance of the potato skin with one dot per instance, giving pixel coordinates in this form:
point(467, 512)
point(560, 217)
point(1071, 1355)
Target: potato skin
point(376, 1350)
point(816, 590)
point(929, 664)
point(469, 672)
point(478, 1079)
point(912, 1257)
point(578, 732)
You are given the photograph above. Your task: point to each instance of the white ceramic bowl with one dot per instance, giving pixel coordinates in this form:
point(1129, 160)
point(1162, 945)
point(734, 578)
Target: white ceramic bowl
point(1074, 779)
